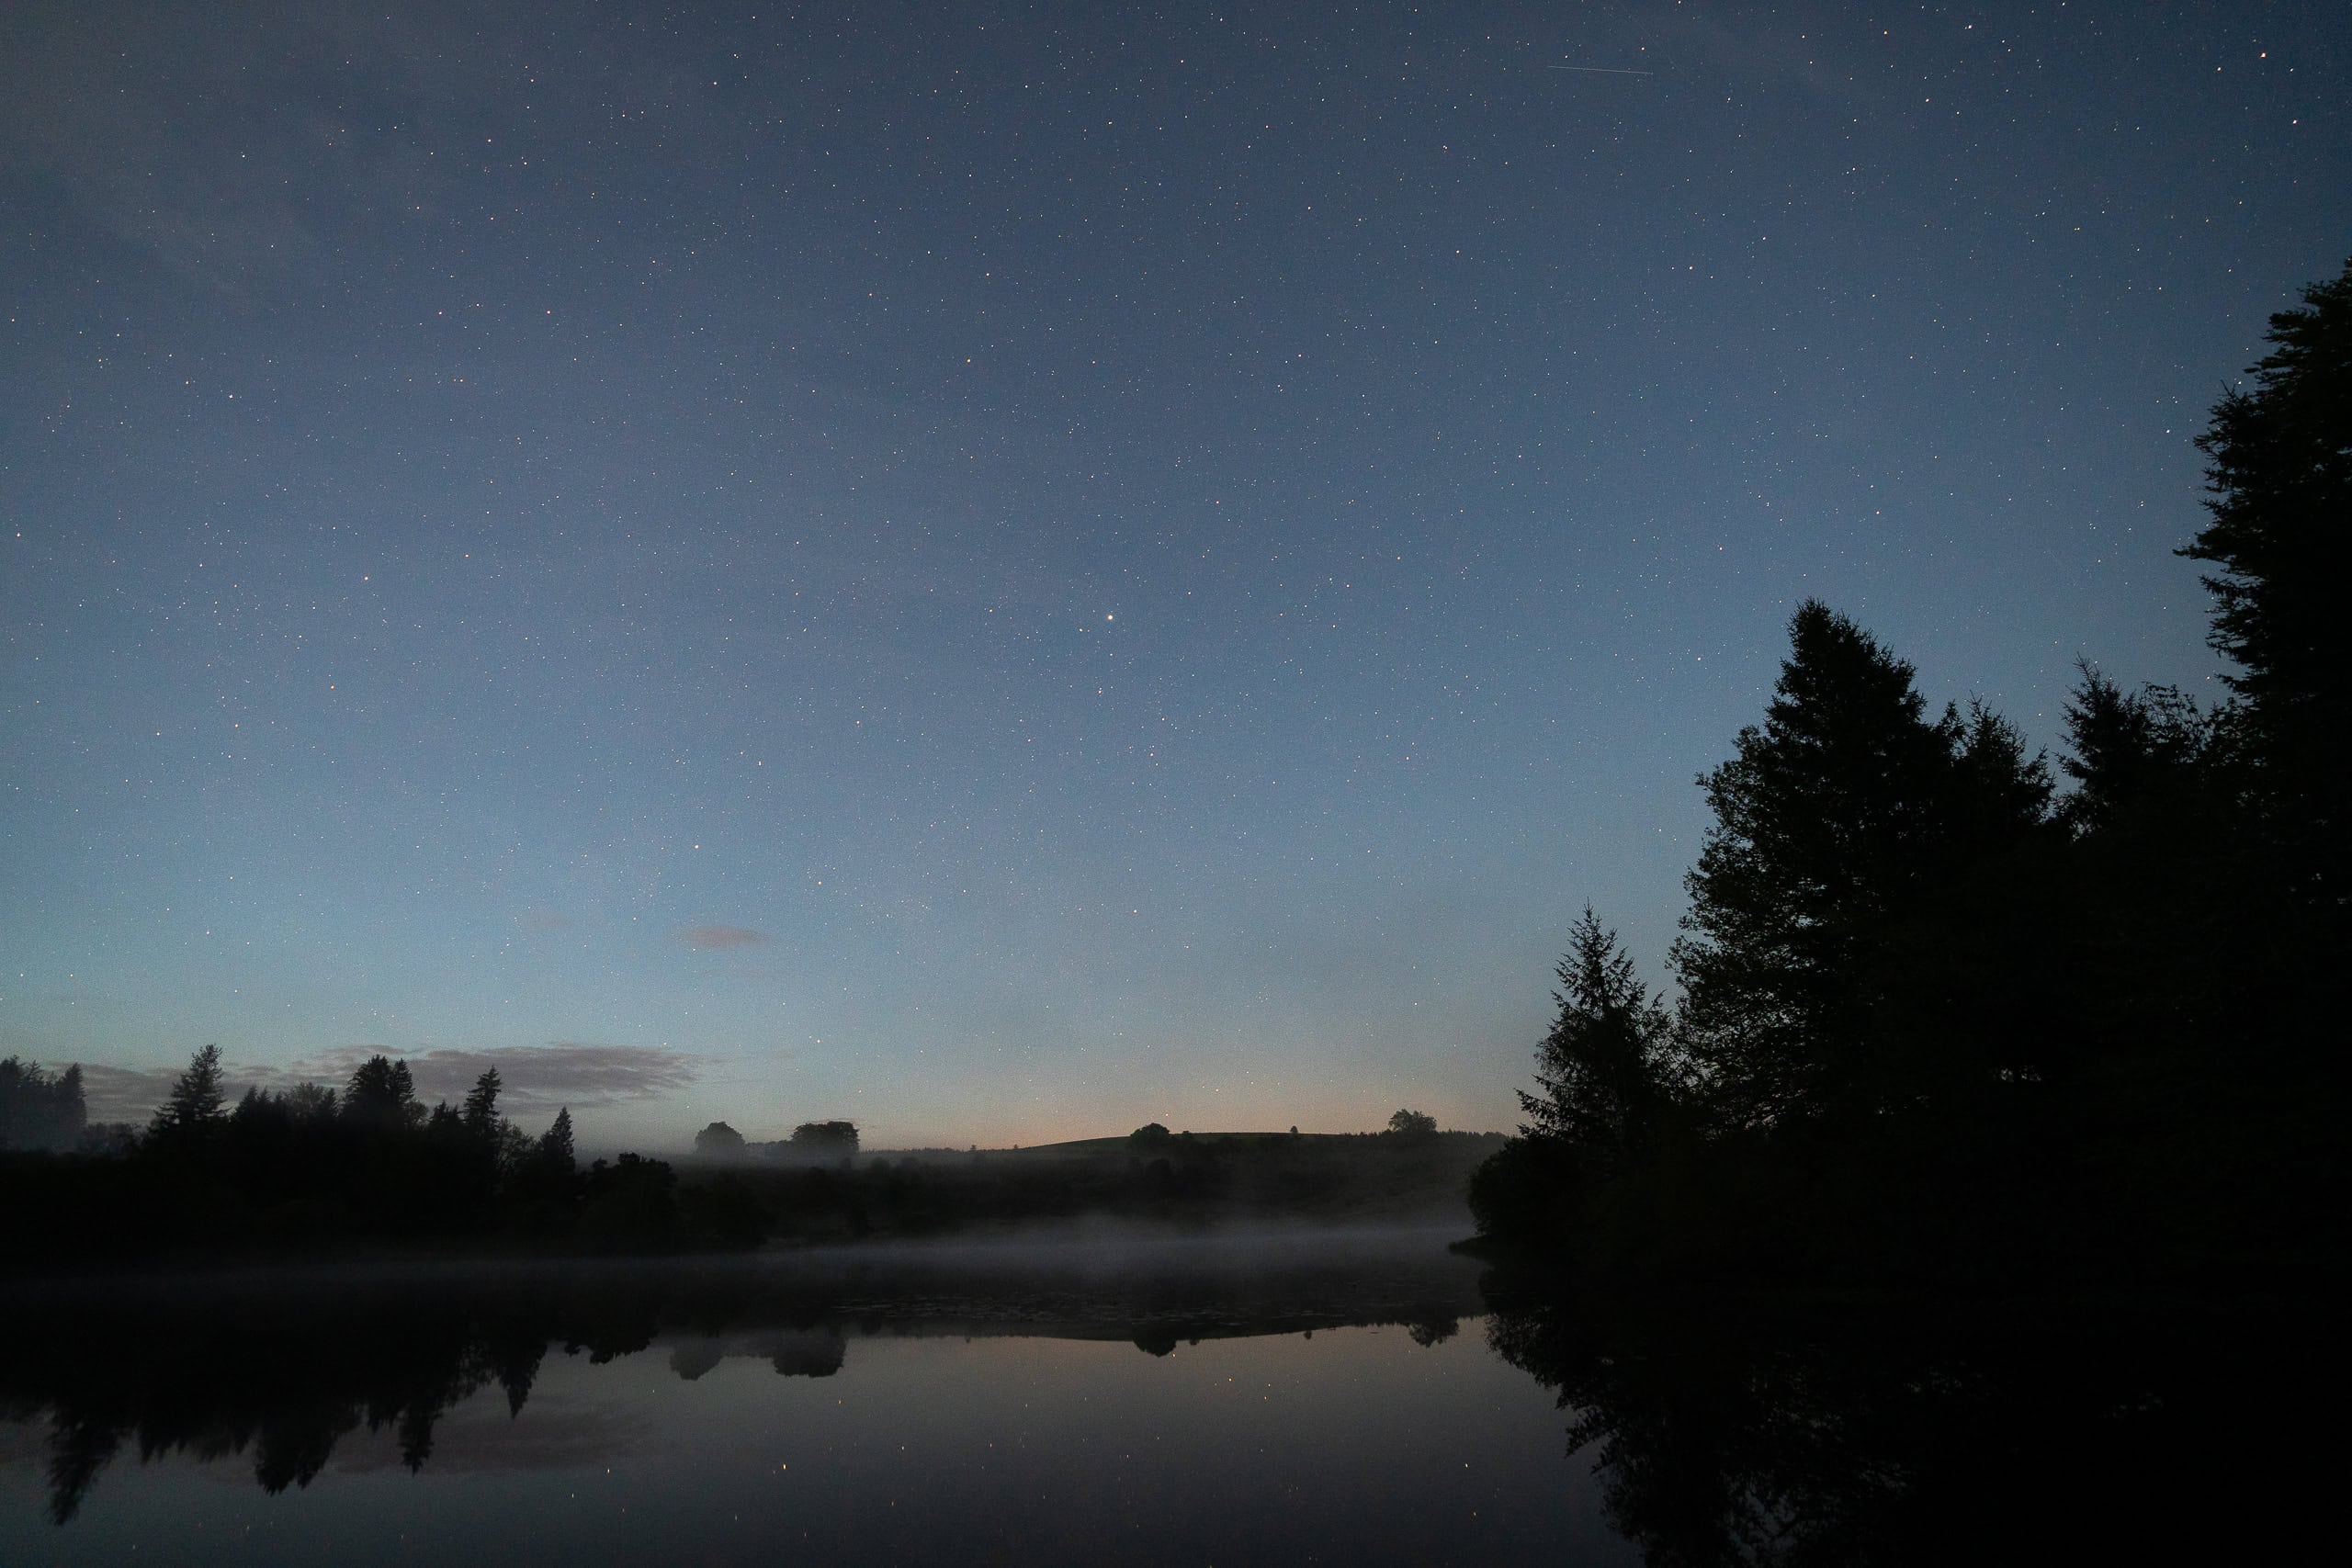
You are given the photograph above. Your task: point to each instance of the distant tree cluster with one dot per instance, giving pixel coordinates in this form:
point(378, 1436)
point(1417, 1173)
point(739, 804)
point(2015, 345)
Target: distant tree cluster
point(40, 1109)
point(1935, 1018)
point(812, 1143)
point(719, 1141)
point(831, 1139)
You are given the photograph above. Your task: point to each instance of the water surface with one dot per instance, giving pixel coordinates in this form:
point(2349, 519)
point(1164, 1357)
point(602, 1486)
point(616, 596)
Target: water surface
point(1300, 1397)
point(1304, 1398)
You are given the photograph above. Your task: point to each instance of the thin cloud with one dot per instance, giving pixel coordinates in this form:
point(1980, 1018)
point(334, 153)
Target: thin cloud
point(127, 122)
point(533, 1079)
point(718, 938)
point(132, 1094)
point(124, 1094)
point(580, 1074)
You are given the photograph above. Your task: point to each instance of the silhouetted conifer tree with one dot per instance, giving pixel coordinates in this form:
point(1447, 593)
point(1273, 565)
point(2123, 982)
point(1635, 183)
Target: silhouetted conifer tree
point(1601, 1068)
point(2281, 537)
point(555, 1146)
point(2128, 748)
point(481, 1110)
point(1839, 816)
point(383, 1093)
point(194, 1104)
point(69, 1112)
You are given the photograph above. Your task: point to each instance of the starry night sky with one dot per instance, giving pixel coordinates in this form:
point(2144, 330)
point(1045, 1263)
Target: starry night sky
point(1008, 572)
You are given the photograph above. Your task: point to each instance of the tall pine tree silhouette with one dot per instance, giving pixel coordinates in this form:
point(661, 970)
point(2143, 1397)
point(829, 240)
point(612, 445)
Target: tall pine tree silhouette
point(2281, 540)
point(1600, 1068)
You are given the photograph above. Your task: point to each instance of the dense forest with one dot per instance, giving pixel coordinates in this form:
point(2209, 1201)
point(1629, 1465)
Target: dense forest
point(1937, 1020)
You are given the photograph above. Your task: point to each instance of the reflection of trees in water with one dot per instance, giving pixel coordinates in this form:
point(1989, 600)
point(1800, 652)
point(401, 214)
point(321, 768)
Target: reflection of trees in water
point(816, 1355)
point(1972, 1435)
point(284, 1385)
point(1704, 1456)
point(1431, 1331)
point(283, 1374)
point(794, 1353)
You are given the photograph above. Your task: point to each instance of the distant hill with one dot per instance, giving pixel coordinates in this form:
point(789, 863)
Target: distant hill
point(1182, 1180)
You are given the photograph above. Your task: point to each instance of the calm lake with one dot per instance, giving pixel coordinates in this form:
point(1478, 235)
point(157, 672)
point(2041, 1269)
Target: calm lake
point(1312, 1397)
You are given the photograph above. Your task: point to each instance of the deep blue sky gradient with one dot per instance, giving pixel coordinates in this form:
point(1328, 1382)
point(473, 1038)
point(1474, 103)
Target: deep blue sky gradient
point(1008, 572)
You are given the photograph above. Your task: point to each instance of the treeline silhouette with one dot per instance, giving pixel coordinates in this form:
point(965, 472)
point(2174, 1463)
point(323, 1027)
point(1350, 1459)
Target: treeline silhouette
point(317, 1169)
point(40, 1109)
point(1938, 1022)
point(365, 1169)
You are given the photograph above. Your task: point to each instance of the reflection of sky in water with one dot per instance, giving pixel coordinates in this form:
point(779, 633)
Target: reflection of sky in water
point(1354, 1445)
